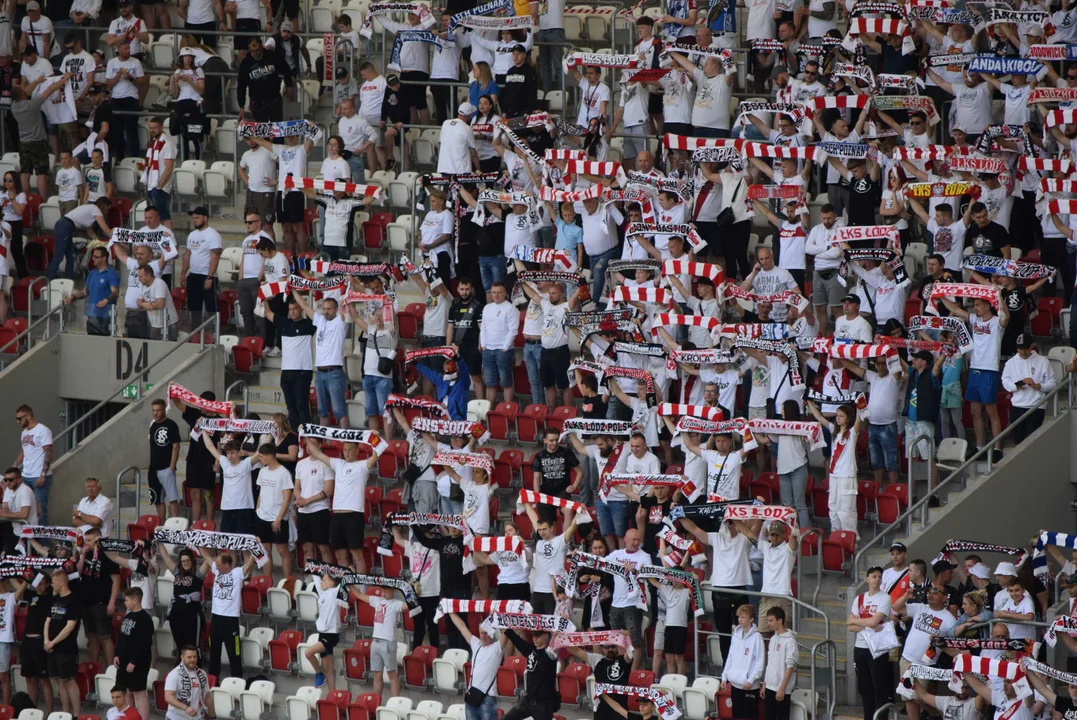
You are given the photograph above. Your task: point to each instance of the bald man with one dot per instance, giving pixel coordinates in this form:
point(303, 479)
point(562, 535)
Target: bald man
point(645, 165)
point(625, 614)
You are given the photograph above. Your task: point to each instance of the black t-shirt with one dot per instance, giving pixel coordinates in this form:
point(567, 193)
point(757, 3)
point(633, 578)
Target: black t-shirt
point(394, 107)
point(925, 291)
point(656, 511)
point(37, 609)
point(96, 578)
point(136, 636)
point(454, 583)
point(1065, 706)
point(490, 239)
point(540, 678)
point(63, 611)
point(198, 458)
point(614, 672)
point(103, 114)
point(286, 327)
point(183, 587)
point(466, 318)
point(594, 408)
point(288, 442)
point(1016, 300)
point(989, 240)
point(163, 436)
point(863, 201)
point(556, 468)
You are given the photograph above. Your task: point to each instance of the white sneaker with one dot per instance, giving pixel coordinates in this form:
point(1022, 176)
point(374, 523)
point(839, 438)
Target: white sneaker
point(272, 352)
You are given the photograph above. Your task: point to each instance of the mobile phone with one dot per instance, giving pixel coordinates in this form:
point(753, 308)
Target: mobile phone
point(1020, 383)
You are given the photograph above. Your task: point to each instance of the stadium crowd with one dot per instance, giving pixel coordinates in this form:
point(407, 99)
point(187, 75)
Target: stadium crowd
point(700, 398)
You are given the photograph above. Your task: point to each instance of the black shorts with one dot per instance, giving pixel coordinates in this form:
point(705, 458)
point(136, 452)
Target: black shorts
point(473, 357)
point(329, 641)
point(676, 640)
point(415, 93)
point(346, 531)
point(514, 591)
point(96, 621)
point(291, 8)
point(245, 25)
point(290, 207)
point(553, 367)
point(63, 666)
point(264, 530)
point(677, 128)
point(236, 521)
point(35, 662)
point(654, 104)
point(200, 479)
point(313, 527)
point(134, 681)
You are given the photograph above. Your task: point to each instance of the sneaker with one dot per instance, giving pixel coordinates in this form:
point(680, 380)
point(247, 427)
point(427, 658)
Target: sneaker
point(996, 455)
point(272, 352)
point(933, 502)
point(319, 680)
point(390, 164)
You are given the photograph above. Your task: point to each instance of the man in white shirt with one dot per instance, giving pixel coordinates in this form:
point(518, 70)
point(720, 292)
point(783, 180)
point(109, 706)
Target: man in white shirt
point(1028, 377)
point(156, 300)
point(275, 268)
point(258, 170)
point(94, 510)
point(549, 557)
point(358, 137)
point(125, 77)
point(497, 336)
point(827, 290)
point(1017, 605)
point(157, 170)
point(625, 613)
point(199, 266)
point(556, 356)
point(35, 457)
point(371, 95)
point(457, 155)
point(714, 91)
point(883, 409)
point(228, 583)
point(39, 31)
point(768, 279)
point(250, 271)
point(330, 379)
point(187, 688)
point(600, 239)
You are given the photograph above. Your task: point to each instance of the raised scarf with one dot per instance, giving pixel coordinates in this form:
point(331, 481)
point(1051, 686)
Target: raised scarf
point(188, 398)
point(939, 189)
point(696, 269)
point(662, 703)
point(601, 60)
point(934, 322)
point(545, 256)
point(426, 406)
point(348, 435)
point(445, 351)
point(618, 638)
point(1008, 268)
point(530, 622)
point(971, 164)
point(466, 459)
point(537, 498)
point(963, 290)
point(485, 9)
point(457, 428)
point(207, 539)
point(683, 230)
point(780, 348)
point(449, 605)
point(1039, 557)
point(426, 19)
point(273, 130)
point(305, 183)
point(297, 282)
point(799, 428)
point(589, 426)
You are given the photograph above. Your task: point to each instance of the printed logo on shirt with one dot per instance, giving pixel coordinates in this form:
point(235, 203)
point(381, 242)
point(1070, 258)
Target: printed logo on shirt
point(614, 672)
point(925, 622)
point(223, 586)
point(160, 437)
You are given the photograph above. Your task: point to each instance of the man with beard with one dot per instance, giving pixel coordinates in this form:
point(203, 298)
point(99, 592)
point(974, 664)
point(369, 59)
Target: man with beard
point(610, 667)
point(606, 453)
point(962, 706)
point(465, 320)
point(540, 699)
point(200, 260)
point(260, 73)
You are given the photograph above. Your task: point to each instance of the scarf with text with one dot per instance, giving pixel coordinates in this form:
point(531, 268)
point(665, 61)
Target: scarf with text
point(970, 164)
point(448, 605)
point(727, 154)
point(987, 264)
point(530, 622)
point(537, 498)
point(617, 638)
point(1064, 624)
point(456, 428)
point(1039, 558)
point(785, 297)
point(729, 64)
point(1005, 65)
point(656, 184)
point(881, 255)
point(445, 351)
point(952, 324)
point(588, 426)
point(938, 189)
point(986, 143)
point(363, 437)
point(426, 19)
point(638, 348)
point(767, 331)
point(627, 571)
point(934, 346)
point(235, 425)
point(962, 290)
point(344, 267)
point(519, 145)
point(701, 357)
point(601, 60)
point(669, 575)
point(465, 459)
point(857, 398)
point(813, 431)
point(346, 576)
point(500, 24)
point(297, 282)
point(888, 81)
point(747, 513)
point(274, 130)
point(185, 687)
point(403, 402)
point(1046, 670)
point(862, 73)
point(545, 256)
point(413, 519)
point(488, 8)
point(864, 233)
point(776, 192)
point(1050, 94)
point(985, 644)
point(1057, 51)
point(188, 398)
point(779, 348)
point(662, 703)
point(422, 36)
point(48, 532)
point(908, 102)
point(684, 230)
point(208, 539)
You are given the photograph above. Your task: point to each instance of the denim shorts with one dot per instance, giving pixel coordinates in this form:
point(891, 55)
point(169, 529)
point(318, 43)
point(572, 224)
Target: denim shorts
point(329, 387)
point(611, 517)
point(491, 269)
point(882, 446)
point(497, 367)
point(982, 387)
point(160, 200)
point(377, 390)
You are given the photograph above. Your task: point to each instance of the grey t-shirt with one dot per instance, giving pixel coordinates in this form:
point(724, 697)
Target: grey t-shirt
point(28, 115)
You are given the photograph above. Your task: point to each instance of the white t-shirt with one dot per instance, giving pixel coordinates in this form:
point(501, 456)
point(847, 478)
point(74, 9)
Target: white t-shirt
point(845, 464)
point(973, 106)
point(349, 489)
point(883, 398)
point(312, 475)
point(986, 343)
point(864, 606)
point(386, 617)
point(80, 66)
point(927, 624)
point(329, 605)
point(202, 243)
point(425, 564)
point(121, 25)
point(99, 507)
point(227, 589)
point(329, 341)
point(678, 97)
point(626, 594)
point(261, 168)
point(18, 499)
point(711, 109)
point(172, 683)
point(34, 441)
point(187, 90)
point(591, 99)
point(37, 32)
point(477, 505)
point(723, 474)
point(730, 567)
point(436, 224)
point(457, 143)
point(273, 483)
point(292, 160)
point(676, 598)
point(1019, 632)
point(777, 567)
point(549, 561)
point(371, 94)
point(949, 242)
point(158, 290)
point(355, 131)
point(125, 88)
point(252, 261)
point(513, 569)
point(237, 493)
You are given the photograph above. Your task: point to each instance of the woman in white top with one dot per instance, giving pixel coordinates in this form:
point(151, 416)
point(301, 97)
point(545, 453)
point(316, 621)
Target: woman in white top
point(842, 471)
point(514, 571)
point(502, 50)
point(893, 204)
point(436, 235)
point(237, 498)
point(489, 158)
point(13, 204)
point(334, 167)
point(187, 85)
point(792, 464)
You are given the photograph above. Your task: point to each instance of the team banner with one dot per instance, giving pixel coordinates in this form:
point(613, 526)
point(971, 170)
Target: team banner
point(963, 290)
point(448, 605)
point(348, 435)
point(951, 324)
point(995, 65)
point(455, 428)
point(274, 130)
point(531, 622)
point(969, 163)
point(908, 102)
point(465, 459)
point(987, 264)
point(939, 189)
point(1053, 52)
point(1051, 94)
point(216, 540)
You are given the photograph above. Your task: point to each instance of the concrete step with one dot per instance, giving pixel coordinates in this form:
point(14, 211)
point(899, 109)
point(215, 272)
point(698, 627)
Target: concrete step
point(267, 394)
point(265, 409)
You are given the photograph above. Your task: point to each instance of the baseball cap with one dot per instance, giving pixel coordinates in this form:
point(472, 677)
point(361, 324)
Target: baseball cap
point(958, 127)
point(981, 571)
point(1024, 340)
point(342, 72)
point(33, 5)
point(287, 25)
point(851, 298)
point(1006, 568)
point(200, 210)
point(924, 355)
point(899, 546)
point(392, 79)
point(519, 48)
point(187, 51)
point(942, 566)
point(466, 109)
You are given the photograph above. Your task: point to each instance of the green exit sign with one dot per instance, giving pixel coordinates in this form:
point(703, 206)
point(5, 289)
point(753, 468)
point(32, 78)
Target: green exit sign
point(131, 391)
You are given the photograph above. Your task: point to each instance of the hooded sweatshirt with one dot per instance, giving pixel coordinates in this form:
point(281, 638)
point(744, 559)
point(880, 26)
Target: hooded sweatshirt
point(782, 653)
point(745, 661)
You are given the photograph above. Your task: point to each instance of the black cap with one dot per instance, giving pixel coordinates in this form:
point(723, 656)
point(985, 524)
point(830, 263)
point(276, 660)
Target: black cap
point(942, 566)
point(899, 547)
point(851, 298)
point(30, 49)
point(519, 48)
point(1024, 340)
point(392, 79)
point(924, 355)
point(200, 210)
point(342, 72)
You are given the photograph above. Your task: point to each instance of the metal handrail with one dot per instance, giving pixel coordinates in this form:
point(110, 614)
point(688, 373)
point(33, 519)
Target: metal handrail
point(30, 297)
point(138, 492)
point(800, 565)
point(29, 328)
point(182, 341)
point(891, 710)
point(912, 466)
point(826, 648)
point(242, 386)
point(983, 452)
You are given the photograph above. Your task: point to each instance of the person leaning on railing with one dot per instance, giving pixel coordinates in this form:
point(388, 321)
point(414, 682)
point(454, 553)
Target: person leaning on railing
point(101, 291)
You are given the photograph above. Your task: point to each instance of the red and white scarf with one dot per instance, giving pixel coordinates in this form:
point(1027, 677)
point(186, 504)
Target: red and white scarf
point(297, 282)
point(666, 709)
point(596, 426)
point(537, 498)
point(1060, 117)
point(657, 296)
point(695, 269)
point(220, 407)
point(764, 150)
point(781, 513)
point(785, 297)
point(1030, 164)
point(1062, 207)
point(505, 543)
point(938, 189)
point(688, 232)
point(972, 164)
point(549, 194)
point(799, 428)
point(963, 290)
point(840, 102)
point(305, 183)
point(702, 412)
point(664, 319)
point(850, 350)
point(449, 605)
point(884, 26)
point(618, 638)
point(930, 345)
point(473, 460)
point(565, 154)
point(445, 351)
point(686, 142)
point(427, 406)
point(456, 428)
point(991, 667)
point(1051, 94)
point(931, 152)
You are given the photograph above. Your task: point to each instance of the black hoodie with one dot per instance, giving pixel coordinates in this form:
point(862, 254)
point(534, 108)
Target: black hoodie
point(262, 77)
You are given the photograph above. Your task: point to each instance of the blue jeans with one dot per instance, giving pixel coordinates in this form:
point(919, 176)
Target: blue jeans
point(329, 387)
point(161, 200)
point(882, 446)
point(486, 711)
point(41, 494)
point(792, 487)
point(611, 517)
point(497, 368)
point(355, 162)
point(598, 273)
point(377, 390)
point(492, 269)
point(65, 248)
point(533, 360)
point(549, 59)
point(451, 507)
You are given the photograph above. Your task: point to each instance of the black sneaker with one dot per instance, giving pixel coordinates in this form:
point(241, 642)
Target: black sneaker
point(996, 455)
point(934, 502)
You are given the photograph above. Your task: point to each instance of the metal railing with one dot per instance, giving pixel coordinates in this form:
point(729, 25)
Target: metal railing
point(930, 439)
point(138, 493)
point(826, 649)
point(241, 386)
point(984, 453)
point(46, 318)
point(891, 710)
point(72, 443)
point(818, 570)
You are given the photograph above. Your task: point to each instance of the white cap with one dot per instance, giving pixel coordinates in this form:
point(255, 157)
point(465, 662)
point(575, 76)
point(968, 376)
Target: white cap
point(1006, 568)
point(466, 109)
point(187, 51)
point(981, 571)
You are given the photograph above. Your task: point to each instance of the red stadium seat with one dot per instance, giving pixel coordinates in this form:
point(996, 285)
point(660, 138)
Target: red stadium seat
point(282, 651)
point(334, 706)
point(556, 419)
point(501, 421)
point(254, 594)
point(510, 677)
point(365, 707)
point(531, 423)
point(869, 490)
point(898, 490)
point(761, 490)
point(357, 661)
point(888, 507)
point(572, 683)
point(419, 666)
point(142, 529)
point(204, 525)
point(837, 548)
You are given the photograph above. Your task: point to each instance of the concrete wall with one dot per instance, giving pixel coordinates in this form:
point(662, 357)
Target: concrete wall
point(32, 379)
point(122, 441)
point(93, 368)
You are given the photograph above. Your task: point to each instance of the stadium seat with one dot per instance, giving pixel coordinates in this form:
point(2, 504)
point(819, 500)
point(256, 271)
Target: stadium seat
point(303, 704)
point(282, 657)
point(447, 671)
point(572, 683)
point(143, 528)
point(257, 700)
point(531, 422)
point(699, 699)
point(357, 662)
point(334, 706)
point(364, 706)
point(418, 666)
point(395, 708)
point(501, 421)
point(510, 677)
point(839, 547)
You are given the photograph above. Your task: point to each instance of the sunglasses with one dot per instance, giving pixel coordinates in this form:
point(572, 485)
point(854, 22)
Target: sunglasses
point(250, 222)
point(20, 418)
point(809, 72)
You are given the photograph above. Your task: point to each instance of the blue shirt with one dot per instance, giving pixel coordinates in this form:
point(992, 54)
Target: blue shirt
point(568, 237)
point(453, 394)
point(99, 285)
point(474, 92)
point(725, 21)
